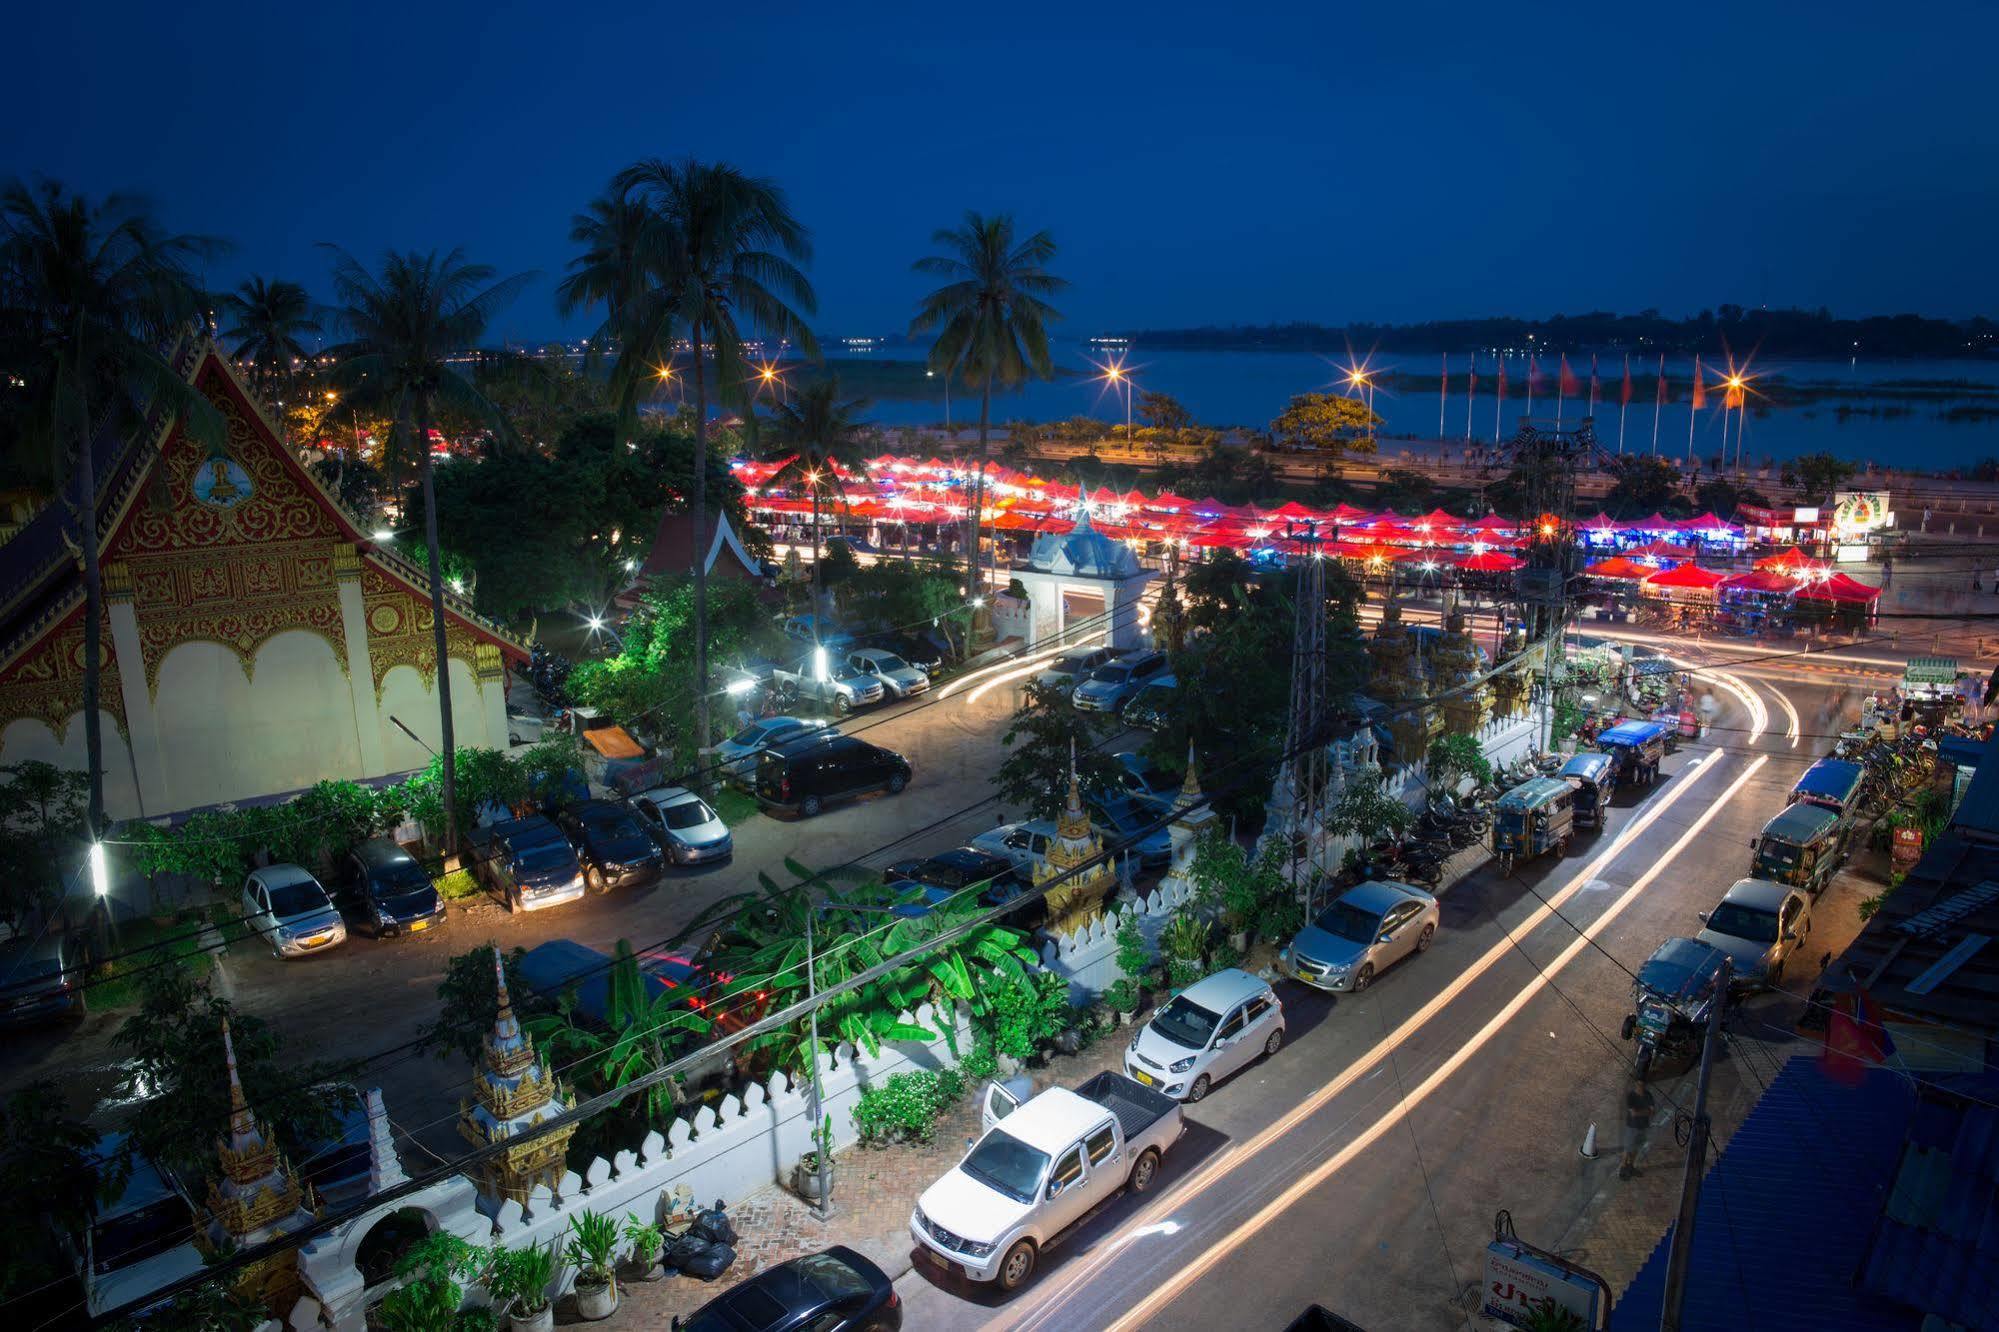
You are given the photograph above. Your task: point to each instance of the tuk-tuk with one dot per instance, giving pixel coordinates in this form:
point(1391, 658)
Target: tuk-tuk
point(1593, 775)
point(1676, 990)
point(1801, 847)
point(1638, 747)
point(1537, 815)
point(1833, 783)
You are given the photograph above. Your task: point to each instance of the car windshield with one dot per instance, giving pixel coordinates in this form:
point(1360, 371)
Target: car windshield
point(545, 857)
point(1185, 1023)
point(691, 814)
point(1347, 921)
point(888, 661)
point(1779, 853)
point(295, 899)
point(137, 1235)
point(614, 825)
point(1007, 1165)
point(1112, 674)
point(833, 1277)
point(17, 967)
point(749, 736)
point(1074, 661)
point(402, 876)
point(1743, 922)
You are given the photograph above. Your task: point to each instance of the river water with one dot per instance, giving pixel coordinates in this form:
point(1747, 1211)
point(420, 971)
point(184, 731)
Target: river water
point(1251, 387)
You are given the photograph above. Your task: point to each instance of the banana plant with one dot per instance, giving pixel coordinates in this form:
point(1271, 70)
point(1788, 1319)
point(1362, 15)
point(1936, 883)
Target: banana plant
point(643, 1032)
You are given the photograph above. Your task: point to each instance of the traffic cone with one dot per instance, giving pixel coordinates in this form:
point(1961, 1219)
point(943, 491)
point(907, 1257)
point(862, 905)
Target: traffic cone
point(1589, 1143)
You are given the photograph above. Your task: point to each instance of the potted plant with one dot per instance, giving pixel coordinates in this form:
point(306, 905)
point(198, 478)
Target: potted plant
point(518, 1279)
point(429, 1293)
point(648, 1241)
point(805, 1177)
point(1122, 999)
point(593, 1248)
point(1134, 957)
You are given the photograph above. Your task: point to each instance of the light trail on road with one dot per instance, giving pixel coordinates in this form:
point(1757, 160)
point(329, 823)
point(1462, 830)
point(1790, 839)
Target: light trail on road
point(1752, 703)
point(1795, 729)
point(1153, 1303)
point(1685, 781)
point(1020, 666)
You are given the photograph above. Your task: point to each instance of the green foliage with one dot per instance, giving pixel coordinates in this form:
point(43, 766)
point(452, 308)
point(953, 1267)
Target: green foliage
point(1817, 475)
point(1023, 1017)
point(467, 1004)
point(1567, 717)
point(1365, 810)
point(1232, 475)
point(521, 1276)
point(1163, 411)
point(1134, 955)
point(1327, 423)
point(175, 1065)
point(49, 1162)
point(458, 885)
point(1228, 881)
point(901, 594)
point(1644, 485)
point(43, 836)
point(647, 1239)
point(431, 1273)
point(906, 1108)
point(1544, 1315)
point(643, 1032)
point(213, 1306)
point(1122, 996)
point(1184, 971)
point(1185, 939)
point(593, 1245)
point(1045, 731)
point(1457, 755)
point(981, 1061)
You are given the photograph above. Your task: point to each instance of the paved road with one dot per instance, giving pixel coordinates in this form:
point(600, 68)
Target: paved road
point(1362, 1166)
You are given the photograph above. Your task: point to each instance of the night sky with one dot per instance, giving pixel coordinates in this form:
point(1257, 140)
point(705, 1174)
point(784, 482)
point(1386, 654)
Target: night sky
point(1214, 164)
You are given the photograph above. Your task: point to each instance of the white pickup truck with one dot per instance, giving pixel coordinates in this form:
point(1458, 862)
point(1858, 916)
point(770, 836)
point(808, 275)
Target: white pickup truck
point(1042, 1166)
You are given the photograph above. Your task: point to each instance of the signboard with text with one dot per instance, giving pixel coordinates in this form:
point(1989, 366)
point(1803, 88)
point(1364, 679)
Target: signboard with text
point(1855, 513)
point(1517, 1280)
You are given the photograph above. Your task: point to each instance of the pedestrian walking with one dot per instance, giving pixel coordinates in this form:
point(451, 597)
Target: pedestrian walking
point(1887, 571)
point(1926, 517)
point(1976, 586)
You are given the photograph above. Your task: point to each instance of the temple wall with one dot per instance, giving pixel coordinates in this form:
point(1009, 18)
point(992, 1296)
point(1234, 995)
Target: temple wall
point(24, 739)
point(406, 697)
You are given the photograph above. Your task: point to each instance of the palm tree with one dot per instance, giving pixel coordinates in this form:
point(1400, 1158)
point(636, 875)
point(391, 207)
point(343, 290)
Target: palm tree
point(401, 325)
point(825, 434)
point(90, 293)
point(722, 260)
point(270, 316)
point(990, 320)
point(619, 233)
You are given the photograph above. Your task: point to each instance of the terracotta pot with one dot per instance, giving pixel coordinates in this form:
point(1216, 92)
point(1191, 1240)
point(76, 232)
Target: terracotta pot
point(541, 1321)
point(598, 1301)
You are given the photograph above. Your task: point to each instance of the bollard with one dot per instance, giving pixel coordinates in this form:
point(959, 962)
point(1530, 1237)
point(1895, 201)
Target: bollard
point(1589, 1143)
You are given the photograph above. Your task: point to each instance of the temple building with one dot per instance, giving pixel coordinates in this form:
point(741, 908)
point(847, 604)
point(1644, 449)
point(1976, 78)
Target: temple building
point(1080, 581)
point(1078, 900)
point(1454, 664)
point(258, 1198)
point(513, 1091)
point(1192, 820)
point(1397, 681)
point(256, 639)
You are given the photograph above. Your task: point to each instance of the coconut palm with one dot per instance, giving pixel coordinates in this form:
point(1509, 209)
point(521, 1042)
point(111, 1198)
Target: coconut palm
point(90, 294)
point(990, 321)
point(400, 326)
point(270, 316)
point(722, 261)
point(824, 436)
point(620, 240)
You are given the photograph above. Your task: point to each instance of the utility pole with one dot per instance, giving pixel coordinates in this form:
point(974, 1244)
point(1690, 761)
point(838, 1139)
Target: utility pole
point(1305, 737)
point(1690, 1183)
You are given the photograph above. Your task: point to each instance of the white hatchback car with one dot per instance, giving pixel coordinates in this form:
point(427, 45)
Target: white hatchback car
point(1206, 1032)
point(286, 905)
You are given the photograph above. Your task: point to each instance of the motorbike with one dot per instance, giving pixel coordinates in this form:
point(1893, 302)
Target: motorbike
point(1671, 1001)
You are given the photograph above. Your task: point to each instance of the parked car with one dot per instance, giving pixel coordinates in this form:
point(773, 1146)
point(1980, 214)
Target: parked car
point(1042, 1165)
point(1121, 819)
point(527, 863)
point(811, 629)
point(834, 1290)
point(286, 905)
point(1152, 707)
point(1369, 928)
point(737, 756)
point(1025, 844)
point(336, 1163)
point(1073, 665)
point(686, 828)
point(139, 1241)
point(565, 968)
point(1760, 925)
point(1116, 682)
point(40, 979)
point(1153, 787)
point(384, 890)
point(803, 777)
point(896, 676)
point(961, 867)
point(611, 843)
point(921, 650)
point(1206, 1032)
point(821, 676)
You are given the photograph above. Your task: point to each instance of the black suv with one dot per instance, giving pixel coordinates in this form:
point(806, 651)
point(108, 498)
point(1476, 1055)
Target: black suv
point(614, 848)
point(385, 892)
point(803, 776)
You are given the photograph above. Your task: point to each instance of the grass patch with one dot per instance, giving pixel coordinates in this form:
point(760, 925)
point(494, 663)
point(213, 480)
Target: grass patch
point(458, 884)
point(140, 944)
point(734, 806)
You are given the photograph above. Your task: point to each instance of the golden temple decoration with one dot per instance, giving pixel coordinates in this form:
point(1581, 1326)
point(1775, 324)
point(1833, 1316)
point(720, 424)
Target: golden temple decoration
point(513, 1091)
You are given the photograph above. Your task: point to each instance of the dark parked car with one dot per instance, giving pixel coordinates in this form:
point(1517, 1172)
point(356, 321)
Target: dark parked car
point(960, 867)
point(40, 979)
point(610, 842)
point(806, 775)
point(385, 892)
point(836, 1290)
point(527, 862)
point(916, 649)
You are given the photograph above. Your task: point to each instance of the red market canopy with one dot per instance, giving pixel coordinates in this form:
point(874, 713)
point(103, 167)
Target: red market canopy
point(1760, 580)
point(1791, 561)
point(1662, 550)
point(1840, 587)
point(1492, 561)
point(1658, 522)
point(1601, 525)
point(1438, 521)
point(1689, 576)
point(1619, 567)
point(1293, 509)
point(1492, 522)
point(1166, 499)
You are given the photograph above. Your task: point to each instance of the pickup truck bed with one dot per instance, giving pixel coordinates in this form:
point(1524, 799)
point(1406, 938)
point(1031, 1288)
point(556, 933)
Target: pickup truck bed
point(1137, 1108)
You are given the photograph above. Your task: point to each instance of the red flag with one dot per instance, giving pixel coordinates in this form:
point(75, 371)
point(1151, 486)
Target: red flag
point(1569, 385)
point(1855, 1038)
point(1444, 384)
point(1471, 376)
point(1733, 398)
point(1700, 389)
point(1624, 391)
point(1536, 382)
point(1595, 384)
point(1502, 379)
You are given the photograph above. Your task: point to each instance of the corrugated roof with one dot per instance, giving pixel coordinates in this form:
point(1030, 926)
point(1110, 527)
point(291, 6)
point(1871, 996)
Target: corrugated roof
point(1937, 1247)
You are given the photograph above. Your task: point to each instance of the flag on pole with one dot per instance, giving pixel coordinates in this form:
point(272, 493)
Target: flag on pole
point(1732, 398)
point(1443, 387)
point(1502, 379)
point(1595, 384)
point(1660, 400)
point(1624, 390)
point(1700, 389)
point(1471, 391)
point(1569, 386)
point(1536, 381)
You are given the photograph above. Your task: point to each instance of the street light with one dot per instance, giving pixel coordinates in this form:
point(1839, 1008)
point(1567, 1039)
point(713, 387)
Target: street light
point(932, 374)
point(1115, 374)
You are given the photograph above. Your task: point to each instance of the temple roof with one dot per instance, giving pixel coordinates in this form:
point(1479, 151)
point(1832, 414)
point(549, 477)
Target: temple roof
point(1083, 552)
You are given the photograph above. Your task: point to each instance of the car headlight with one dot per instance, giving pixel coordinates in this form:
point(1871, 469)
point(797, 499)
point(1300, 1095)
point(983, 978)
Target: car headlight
point(1337, 968)
point(972, 1250)
point(1181, 1065)
point(1133, 1047)
point(383, 916)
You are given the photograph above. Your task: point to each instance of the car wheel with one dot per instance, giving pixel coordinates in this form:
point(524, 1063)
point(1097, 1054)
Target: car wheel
point(1275, 1043)
point(1199, 1091)
point(841, 705)
point(1426, 938)
point(1364, 977)
point(1017, 1266)
point(594, 878)
point(810, 806)
point(896, 782)
point(1144, 1171)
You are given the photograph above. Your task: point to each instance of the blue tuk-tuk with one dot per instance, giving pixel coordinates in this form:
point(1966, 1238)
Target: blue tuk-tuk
point(1834, 783)
point(1801, 847)
point(1593, 775)
point(1638, 747)
point(1537, 815)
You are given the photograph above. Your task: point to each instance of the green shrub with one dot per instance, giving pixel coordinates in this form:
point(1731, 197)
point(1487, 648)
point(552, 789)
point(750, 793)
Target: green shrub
point(1122, 996)
point(1184, 971)
point(1023, 1018)
point(459, 883)
point(906, 1107)
point(1134, 956)
point(980, 1062)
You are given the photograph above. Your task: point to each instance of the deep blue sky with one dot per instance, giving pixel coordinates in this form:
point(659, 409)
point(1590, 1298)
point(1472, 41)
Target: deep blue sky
point(1219, 163)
